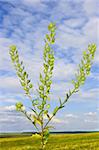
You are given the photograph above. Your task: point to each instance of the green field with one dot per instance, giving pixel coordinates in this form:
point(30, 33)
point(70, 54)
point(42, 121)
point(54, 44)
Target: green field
point(86, 141)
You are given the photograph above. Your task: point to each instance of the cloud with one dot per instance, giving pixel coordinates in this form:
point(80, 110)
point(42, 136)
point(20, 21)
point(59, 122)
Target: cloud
point(9, 81)
point(85, 96)
point(92, 114)
point(63, 71)
point(32, 2)
point(59, 121)
point(91, 121)
point(71, 116)
point(92, 117)
point(69, 37)
point(10, 120)
point(91, 93)
point(91, 7)
point(8, 108)
point(8, 98)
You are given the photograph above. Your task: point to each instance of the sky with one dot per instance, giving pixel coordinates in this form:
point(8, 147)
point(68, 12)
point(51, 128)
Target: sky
point(24, 24)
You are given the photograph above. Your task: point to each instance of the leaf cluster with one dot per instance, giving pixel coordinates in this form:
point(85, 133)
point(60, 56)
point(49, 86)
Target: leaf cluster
point(20, 71)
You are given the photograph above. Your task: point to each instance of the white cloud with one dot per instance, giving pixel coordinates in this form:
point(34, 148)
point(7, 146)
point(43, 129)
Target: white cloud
point(67, 119)
point(10, 84)
point(91, 93)
point(7, 98)
point(56, 120)
point(86, 96)
point(71, 116)
point(7, 108)
point(63, 71)
point(32, 2)
point(68, 37)
point(91, 7)
point(92, 117)
point(4, 55)
point(92, 114)
point(91, 121)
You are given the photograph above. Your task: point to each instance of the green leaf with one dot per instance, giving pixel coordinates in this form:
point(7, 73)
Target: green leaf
point(39, 107)
point(22, 83)
point(18, 65)
point(35, 102)
point(41, 78)
point(48, 49)
point(41, 87)
point(51, 26)
point(53, 41)
point(87, 72)
point(44, 101)
point(28, 81)
point(48, 106)
point(37, 120)
point(76, 85)
point(45, 71)
point(60, 101)
point(46, 133)
point(26, 89)
point(50, 56)
point(49, 127)
point(41, 95)
point(45, 111)
point(45, 97)
point(52, 67)
point(48, 88)
point(24, 74)
point(45, 66)
point(19, 75)
point(55, 110)
point(47, 37)
point(52, 34)
point(13, 48)
point(30, 86)
point(22, 78)
point(47, 78)
point(20, 70)
point(19, 106)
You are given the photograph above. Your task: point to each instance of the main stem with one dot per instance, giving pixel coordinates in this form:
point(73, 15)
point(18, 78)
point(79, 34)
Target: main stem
point(42, 130)
point(42, 135)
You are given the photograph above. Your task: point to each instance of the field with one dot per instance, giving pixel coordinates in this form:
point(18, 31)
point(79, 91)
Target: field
point(84, 141)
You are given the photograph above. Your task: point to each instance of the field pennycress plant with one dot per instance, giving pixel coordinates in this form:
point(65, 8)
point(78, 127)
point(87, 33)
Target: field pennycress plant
point(40, 106)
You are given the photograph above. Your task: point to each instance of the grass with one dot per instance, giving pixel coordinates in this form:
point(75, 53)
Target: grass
point(86, 141)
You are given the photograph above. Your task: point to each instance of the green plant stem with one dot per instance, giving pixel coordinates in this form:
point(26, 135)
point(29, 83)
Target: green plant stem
point(35, 111)
point(42, 130)
point(24, 112)
point(60, 107)
point(42, 134)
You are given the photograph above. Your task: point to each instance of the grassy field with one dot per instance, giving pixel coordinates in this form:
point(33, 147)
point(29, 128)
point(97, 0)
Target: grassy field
point(86, 141)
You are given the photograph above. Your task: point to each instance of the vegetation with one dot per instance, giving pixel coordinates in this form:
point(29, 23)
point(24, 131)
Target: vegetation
point(40, 106)
point(85, 141)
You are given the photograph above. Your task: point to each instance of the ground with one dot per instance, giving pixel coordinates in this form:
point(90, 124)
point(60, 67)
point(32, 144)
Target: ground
point(85, 141)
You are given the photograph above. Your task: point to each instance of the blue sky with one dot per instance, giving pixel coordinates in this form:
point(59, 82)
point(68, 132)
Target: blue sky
point(24, 23)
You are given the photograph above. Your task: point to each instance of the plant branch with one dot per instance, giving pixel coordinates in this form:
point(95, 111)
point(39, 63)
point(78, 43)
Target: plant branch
point(24, 112)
